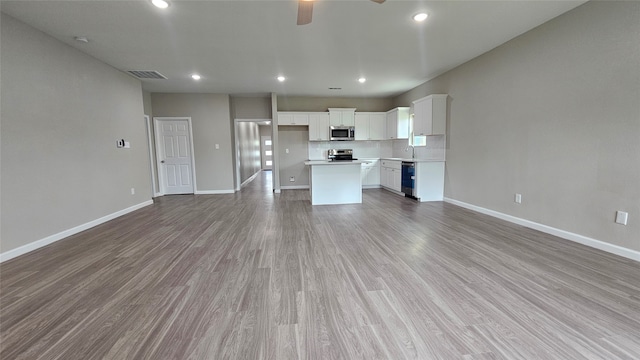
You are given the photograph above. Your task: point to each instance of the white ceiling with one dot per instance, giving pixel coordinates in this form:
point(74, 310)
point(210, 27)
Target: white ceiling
point(239, 47)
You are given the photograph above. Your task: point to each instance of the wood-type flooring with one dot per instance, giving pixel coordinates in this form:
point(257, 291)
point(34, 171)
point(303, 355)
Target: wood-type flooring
point(257, 275)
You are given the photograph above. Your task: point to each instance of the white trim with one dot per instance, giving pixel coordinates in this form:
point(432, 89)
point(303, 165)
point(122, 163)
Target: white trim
point(158, 195)
point(152, 163)
point(594, 243)
point(214, 192)
point(193, 159)
point(66, 233)
point(276, 191)
point(371, 187)
point(294, 187)
point(250, 179)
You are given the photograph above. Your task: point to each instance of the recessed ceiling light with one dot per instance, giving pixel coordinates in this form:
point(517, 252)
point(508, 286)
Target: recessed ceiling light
point(162, 4)
point(420, 17)
point(281, 78)
point(362, 80)
point(195, 77)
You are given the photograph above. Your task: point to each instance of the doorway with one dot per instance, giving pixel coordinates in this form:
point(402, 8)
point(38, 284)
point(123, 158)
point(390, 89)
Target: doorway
point(266, 152)
point(174, 155)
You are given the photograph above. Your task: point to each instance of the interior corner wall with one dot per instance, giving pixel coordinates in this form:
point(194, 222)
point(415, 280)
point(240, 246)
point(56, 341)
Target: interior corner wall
point(245, 107)
point(210, 116)
point(62, 112)
point(554, 115)
point(294, 151)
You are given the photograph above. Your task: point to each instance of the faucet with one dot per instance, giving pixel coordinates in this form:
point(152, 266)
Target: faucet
point(413, 150)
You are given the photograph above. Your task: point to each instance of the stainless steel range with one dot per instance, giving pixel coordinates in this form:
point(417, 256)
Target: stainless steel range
point(340, 155)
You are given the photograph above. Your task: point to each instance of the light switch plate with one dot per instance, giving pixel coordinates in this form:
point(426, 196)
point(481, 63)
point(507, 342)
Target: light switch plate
point(622, 217)
point(518, 198)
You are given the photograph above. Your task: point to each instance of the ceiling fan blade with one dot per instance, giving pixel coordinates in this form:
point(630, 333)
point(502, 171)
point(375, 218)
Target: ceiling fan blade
point(378, 1)
point(305, 10)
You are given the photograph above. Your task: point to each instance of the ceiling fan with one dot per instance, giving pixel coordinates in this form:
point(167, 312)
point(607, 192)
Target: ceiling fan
point(305, 10)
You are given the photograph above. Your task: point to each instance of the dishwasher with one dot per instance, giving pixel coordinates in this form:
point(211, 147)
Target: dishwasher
point(409, 179)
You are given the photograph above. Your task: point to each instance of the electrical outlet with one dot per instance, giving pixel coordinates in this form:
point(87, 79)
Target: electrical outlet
point(292, 179)
point(217, 146)
point(286, 151)
point(518, 198)
point(133, 191)
point(622, 217)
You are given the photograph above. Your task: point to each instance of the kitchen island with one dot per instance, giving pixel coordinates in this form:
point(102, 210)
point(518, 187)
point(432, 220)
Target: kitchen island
point(335, 182)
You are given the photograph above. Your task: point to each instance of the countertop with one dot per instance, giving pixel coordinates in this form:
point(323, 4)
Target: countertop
point(413, 160)
point(326, 162)
point(365, 161)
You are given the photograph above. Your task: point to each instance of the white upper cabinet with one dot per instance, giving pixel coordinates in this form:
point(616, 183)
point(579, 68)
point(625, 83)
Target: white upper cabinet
point(293, 118)
point(342, 116)
point(319, 126)
point(430, 115)
point(398, 123)
point(370, 126)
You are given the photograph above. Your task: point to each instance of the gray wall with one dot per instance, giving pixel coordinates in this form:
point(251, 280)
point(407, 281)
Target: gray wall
point(296, 139)
point(249, 149)
point(308, 103)
point(62, 112)
point(553, 114)
point(210, 116)
point(251, 107)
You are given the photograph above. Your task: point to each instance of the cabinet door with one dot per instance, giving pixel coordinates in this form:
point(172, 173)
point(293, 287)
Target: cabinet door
point(397, 180)
point(348, 118)
point(392, 124)
point(383, 177)
point(342, 117)
point(430, 115)
point(285, 119)
point(301, 119)
point(422, 118)
point(377, 126)
point(362, 127)
point(319, 127)
point(373, 176)
point(335, 118)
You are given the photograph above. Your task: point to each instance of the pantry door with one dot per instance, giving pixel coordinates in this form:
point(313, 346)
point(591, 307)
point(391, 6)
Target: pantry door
point(174, 153)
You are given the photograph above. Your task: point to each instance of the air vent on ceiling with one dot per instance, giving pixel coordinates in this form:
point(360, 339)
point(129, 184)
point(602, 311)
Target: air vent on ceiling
point(335, 88)
point(146, 74)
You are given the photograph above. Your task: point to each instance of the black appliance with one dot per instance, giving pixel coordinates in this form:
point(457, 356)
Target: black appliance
point(409, 179)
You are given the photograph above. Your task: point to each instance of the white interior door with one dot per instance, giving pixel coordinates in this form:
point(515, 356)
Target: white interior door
point(267, 154)
point(174, 155)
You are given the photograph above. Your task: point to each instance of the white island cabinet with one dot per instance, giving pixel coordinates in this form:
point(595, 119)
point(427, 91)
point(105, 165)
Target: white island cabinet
point(337, 182)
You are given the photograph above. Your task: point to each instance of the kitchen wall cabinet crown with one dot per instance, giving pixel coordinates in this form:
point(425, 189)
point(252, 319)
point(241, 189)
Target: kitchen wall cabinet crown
point(398, 123)
point(293, 118)
point(430, 115)
point(342, 116)
point(370, 125)
point(319, 126)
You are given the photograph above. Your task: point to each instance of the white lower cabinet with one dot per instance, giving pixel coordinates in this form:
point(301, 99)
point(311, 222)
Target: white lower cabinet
point(371, 173)
point(391, 174)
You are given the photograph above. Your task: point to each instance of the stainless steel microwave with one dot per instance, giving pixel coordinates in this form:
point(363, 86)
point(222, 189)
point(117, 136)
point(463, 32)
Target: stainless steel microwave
point(343, 133)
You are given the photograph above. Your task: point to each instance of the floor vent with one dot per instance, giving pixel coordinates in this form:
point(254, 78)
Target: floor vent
point(146, 74)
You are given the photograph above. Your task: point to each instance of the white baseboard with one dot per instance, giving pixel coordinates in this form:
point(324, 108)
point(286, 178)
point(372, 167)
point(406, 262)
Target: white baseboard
point(66, 233)
point(214, 192)
point(276, 191)
point(294, 187)
point(158, 195)
point(594, 243)
point(371, 187)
